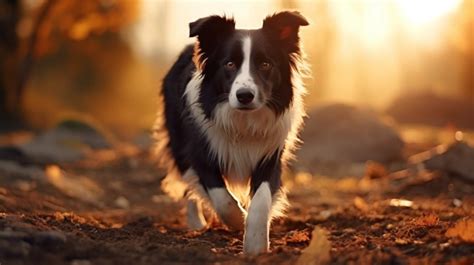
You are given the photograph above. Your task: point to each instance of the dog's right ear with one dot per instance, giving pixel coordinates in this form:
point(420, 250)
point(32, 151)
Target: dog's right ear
point(211, 30)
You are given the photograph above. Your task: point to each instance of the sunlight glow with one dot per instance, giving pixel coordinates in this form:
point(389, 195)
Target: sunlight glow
point(356, 46)
point(163, 25)
point(421, 12)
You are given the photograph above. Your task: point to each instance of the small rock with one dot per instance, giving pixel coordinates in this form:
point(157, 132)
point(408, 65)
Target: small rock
point(429, 108)
point(67, 142)
point(13, 153)
point(143, 141)
point(12, 235)
point(13, 169)
point(87, 132)
point(122, 202)
point(49, 238)
point(457, 159)
point(340, 133)
point(457, 203)
point(10, 248)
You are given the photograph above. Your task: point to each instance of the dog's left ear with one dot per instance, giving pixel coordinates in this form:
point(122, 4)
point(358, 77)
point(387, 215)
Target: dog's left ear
point(283, 27)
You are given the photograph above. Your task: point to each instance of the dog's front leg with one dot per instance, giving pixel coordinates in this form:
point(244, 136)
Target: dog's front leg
point(225, 206)
point(257, 224)
point(266, 180)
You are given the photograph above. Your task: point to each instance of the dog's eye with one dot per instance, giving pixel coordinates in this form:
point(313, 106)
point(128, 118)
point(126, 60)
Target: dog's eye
point(230, 66)
point(265, 66)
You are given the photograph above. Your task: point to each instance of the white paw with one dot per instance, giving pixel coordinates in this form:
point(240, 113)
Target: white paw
point(256, 242)
point(227, 208)
point(195, 217)
point(257, 224)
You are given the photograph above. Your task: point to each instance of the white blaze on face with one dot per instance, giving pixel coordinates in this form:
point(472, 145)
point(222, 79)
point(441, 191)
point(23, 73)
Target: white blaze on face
point(244, 78)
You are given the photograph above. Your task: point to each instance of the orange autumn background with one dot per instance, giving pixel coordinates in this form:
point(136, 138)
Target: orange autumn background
point(105, 59)
point(384, 175)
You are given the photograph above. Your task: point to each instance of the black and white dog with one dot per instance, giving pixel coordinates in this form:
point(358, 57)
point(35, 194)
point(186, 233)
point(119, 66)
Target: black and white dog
point(232, 112)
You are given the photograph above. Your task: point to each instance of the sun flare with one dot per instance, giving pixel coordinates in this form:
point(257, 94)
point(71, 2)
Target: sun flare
point(421, 12)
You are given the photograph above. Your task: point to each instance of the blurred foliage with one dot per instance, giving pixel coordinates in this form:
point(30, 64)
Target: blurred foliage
point(83, 56)
point(78, 20)
point(30, 30)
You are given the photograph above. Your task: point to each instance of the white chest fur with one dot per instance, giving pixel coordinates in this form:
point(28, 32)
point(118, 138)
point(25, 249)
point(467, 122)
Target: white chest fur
point(240, 140)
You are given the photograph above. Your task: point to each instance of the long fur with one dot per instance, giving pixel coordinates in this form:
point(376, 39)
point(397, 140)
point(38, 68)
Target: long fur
point(238, 141)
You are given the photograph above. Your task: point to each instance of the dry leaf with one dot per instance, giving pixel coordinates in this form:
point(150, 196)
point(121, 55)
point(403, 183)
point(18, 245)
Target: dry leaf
point(427, 220)
point(463, 229)
point(78, 187)
point(318, 250)
point(401, 203)
point(360, 204)
point(400, 241)
point(297, 237)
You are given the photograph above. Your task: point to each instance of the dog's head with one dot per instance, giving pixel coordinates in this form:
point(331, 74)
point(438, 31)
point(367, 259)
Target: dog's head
point(247, 69)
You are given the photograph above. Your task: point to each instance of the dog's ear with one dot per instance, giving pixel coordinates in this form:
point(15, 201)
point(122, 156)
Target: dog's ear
point(210, 31)
point(283, 27)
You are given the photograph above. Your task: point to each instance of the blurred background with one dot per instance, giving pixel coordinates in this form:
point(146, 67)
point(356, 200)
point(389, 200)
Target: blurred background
point(386, 165)
point(105, 59)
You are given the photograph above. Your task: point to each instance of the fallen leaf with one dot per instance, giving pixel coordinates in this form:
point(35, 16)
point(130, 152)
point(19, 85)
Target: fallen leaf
point(464, 229)
point(297, 237)
point(318, 250)
point(400, 241)
point(78, 187)
point(401, 203)
point(360, 204)
point(427, 220)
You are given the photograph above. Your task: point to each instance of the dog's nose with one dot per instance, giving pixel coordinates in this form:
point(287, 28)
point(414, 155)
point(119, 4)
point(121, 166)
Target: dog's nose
point(245, 96)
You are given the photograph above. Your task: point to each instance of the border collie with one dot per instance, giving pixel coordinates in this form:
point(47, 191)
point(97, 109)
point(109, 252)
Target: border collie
point(231, 117)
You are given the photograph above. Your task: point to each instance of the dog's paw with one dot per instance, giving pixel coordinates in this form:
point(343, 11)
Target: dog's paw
point(195, 224)
point(255, 243)
point(233, 220)
point(195, 217)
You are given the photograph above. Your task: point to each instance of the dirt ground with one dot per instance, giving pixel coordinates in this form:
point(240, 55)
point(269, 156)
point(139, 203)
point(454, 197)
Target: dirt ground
point(108, 209)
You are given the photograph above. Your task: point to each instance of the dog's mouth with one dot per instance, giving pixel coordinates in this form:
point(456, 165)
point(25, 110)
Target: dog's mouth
point(249, 107)
point(246, 108)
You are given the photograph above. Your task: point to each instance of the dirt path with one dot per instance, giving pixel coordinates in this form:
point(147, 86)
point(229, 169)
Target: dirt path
point(109, 210)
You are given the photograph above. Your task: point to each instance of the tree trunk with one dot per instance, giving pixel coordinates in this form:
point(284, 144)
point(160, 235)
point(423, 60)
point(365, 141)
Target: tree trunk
point(28, 60)
point(9, 17)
